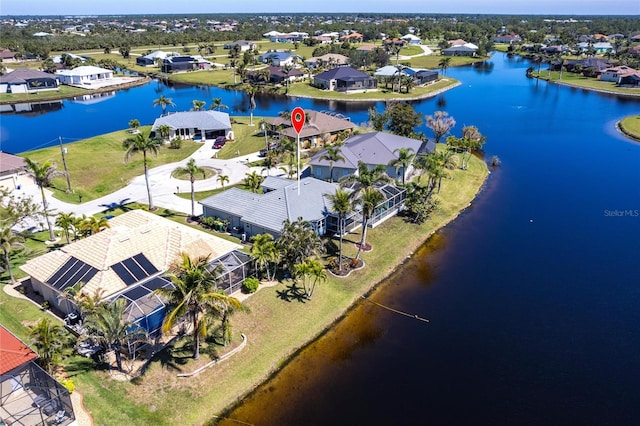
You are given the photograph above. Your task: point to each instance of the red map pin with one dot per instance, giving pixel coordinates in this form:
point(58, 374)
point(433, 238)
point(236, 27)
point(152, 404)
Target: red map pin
point(297, 119)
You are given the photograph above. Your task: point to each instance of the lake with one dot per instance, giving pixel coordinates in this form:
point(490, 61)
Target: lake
point(533, 294)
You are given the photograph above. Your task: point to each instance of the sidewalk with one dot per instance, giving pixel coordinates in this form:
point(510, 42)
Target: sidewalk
point(163, 186)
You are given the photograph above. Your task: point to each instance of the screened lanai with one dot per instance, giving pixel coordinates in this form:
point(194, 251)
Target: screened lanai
point(235, 267)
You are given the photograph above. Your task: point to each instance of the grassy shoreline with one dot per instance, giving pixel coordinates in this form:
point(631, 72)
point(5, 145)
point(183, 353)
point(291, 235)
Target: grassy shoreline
point(630, 127)
point(581, 82)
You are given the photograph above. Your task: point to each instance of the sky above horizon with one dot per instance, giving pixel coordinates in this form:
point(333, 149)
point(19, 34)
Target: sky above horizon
point(138, 7)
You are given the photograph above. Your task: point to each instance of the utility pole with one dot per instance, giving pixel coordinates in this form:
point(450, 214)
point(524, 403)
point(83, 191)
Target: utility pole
point(63, 151)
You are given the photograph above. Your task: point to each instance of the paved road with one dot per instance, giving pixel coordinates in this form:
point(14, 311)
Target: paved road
point(163, 186)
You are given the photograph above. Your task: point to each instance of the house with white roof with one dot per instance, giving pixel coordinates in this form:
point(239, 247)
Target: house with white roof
point(195, 125)
point(411, 39)
point(152, 58)
point(84, 76)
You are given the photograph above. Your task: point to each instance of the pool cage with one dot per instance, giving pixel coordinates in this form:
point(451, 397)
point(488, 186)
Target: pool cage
point(145, 309)
point(234, 268)
point(30, 396)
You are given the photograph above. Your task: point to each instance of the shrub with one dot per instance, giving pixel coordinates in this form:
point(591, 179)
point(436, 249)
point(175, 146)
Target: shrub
point(250, 285)
point(44, 305)
point(68, 384)
point(175, 143)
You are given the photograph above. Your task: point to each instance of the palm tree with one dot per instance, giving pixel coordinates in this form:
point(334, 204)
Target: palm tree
point(251, 91)
point(365, 178)
point(142, 143)
point(111, 329)
point(298, 241)
point(193, 297)
point(269, 162)
point(253, 181)
point(223, 179)
point(264, 252)
point(444, 64)
point(197, 105)
point(66, 222)
point(192, 170)
point(310, 272)
point(51, 342)
point(226, 306)
point(164, 102)
point(404, 160)
point(164, 130)
point(341, 204)
point(43, 174)
point(369, 200)
point(134, 124)
point(92, 225)
point(332, 154)
point(8, 241)
point(217, 104)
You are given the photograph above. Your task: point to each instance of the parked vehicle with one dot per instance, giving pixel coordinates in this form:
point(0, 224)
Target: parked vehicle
point(219, 142)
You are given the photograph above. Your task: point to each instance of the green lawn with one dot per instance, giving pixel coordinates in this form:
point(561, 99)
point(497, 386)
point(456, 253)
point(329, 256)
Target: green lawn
point(631, 126)
point(578, 80)
point(248, 139)
point(411, 51)
point(304, 89)
point(160, 398)
point(218, 77)
point(62, 92)
point(431, 61)
point(97, 167)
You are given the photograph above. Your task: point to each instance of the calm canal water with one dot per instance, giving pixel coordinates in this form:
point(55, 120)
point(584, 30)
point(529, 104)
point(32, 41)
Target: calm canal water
point(533, 293)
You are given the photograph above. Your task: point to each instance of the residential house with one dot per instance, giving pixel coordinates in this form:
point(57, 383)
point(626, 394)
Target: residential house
point(29, 395)
point(397, 42)
point(153, 58)
point(278, 75)
point(328, 60)
point(630, 80)
point(84, 76)
point(616, 73)
point(13, 172)
point(456, 42)
point(421, 75)
point(598, 65)
point(507, 38)
point(468, 49)
point(320, 127)
point(373, 149)
point(184, 63)
point(352, 37)
point(599, 48)
point(59, 59)
point(243, 45)
point(201, 125)
point(7, 55)
point(345, 79)
point(127, 260)
point(24, 80)
point(366, 47)
point(411, 39)
point(280, 59)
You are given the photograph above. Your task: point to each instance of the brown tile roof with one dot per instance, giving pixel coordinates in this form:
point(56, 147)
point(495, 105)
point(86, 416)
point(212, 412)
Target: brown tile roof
point(13, 353)
point(318, 123)
point(10, 163)
point(160, 240)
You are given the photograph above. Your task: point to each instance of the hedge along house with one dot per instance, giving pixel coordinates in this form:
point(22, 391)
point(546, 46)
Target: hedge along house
point(28, 394)
point(27, 81)
point(195, 125)
point(127, 260)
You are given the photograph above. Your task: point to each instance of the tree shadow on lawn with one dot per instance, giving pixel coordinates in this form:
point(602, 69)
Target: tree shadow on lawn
point(292, 292)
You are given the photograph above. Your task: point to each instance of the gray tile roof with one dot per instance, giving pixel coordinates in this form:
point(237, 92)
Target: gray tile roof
point(370, 148)
point(20, 76)
point(271, 209)
point(342, 73)
point(204, 120)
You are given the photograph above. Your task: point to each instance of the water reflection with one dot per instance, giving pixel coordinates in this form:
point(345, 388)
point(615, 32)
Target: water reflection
point(31, 108)
point(93, 98)
point(484, 67)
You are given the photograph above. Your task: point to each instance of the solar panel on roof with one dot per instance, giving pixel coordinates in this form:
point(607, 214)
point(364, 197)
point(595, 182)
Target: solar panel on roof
point(134, 268)
point(145, 263)
point(156, 283)
point(61, 271)
point(136, 293)
point(123, 273)
point(71, 273)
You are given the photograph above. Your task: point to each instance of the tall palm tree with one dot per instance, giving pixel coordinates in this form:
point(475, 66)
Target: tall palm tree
point(193, 297)
point(111, 329)
point(197, 105)
point(43, 174)
point(404, 160)
point(223, 179)
point(217, 104)
point(365, 178)
point(310, 272)
point(141, 142)
point(66, 222)
point(251, 91)
point(253, 181)
point(8, 241)
point(333, 155)
point(444, 64)
point(164, 102)
point(269, 162)
point(341, 204)
point(369, 200)
point(192, 170)
point(264, 253)
point(51, 342)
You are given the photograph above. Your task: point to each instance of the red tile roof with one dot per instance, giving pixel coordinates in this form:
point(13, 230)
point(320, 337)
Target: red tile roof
point(13, 353)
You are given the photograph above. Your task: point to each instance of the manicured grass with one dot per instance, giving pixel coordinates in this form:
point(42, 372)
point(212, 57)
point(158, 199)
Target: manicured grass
point(218, 77)
point(305, 90)
point(411, 51)
point(578, 80)
point(248, 139)
point(16, 314)
point(97, 167)
point(631, 126)
point(62, 92)
point(183, 175)
point(205, 194)
point(431, 61)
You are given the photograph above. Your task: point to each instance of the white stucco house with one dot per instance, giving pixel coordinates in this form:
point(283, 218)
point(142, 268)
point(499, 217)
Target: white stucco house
point(84, 76)
point(200, 125)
